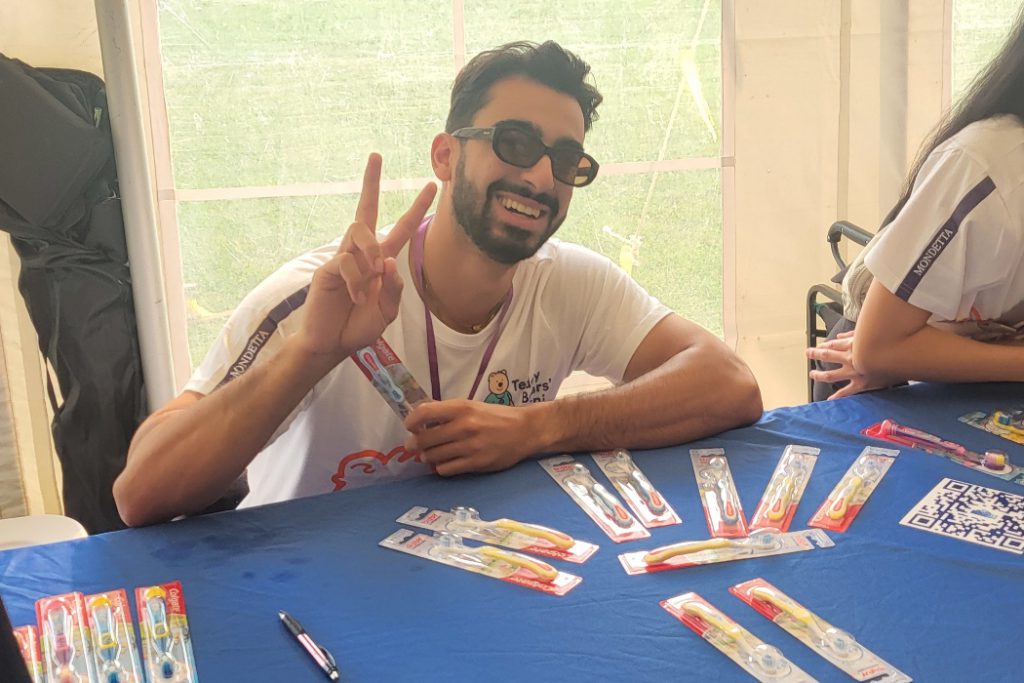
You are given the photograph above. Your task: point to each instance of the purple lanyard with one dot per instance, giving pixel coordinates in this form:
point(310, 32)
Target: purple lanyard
point(417, 269)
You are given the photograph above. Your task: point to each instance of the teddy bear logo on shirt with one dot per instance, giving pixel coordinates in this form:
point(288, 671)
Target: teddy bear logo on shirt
point(497, 382)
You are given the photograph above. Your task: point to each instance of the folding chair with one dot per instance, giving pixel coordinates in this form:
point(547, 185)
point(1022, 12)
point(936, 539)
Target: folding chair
point(825, 302)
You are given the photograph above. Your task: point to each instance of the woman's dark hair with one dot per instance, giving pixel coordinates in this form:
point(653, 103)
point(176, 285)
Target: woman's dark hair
point(548, 64)
point(999, 89)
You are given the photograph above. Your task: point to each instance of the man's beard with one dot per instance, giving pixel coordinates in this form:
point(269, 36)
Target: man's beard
point(501, 242)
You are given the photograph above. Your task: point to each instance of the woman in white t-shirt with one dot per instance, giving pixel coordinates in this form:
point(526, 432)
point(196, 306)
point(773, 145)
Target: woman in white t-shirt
point(939, 294)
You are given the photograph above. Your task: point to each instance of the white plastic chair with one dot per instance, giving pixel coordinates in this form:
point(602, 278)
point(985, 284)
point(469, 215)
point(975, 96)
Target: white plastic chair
point(18, 532)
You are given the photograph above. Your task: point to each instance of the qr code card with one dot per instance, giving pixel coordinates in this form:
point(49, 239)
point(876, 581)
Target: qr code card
point(972, 513)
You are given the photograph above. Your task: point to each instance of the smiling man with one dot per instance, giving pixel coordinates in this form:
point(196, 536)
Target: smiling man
point(494, 315)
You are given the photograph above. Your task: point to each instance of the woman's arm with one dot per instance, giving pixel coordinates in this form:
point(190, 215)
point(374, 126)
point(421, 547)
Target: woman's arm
point(893, 339)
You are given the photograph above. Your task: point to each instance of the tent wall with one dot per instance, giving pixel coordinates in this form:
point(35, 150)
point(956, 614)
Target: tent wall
point(832, 101)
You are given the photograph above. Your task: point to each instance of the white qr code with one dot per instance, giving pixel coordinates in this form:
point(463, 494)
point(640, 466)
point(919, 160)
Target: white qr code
point(972, 513)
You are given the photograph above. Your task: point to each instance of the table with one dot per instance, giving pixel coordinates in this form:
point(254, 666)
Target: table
point(937, 608)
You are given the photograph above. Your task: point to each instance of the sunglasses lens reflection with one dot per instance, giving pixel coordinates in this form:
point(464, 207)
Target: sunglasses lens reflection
point(523, 149)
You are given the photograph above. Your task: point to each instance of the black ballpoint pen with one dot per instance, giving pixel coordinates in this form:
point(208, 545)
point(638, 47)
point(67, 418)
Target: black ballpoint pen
point(319, 654)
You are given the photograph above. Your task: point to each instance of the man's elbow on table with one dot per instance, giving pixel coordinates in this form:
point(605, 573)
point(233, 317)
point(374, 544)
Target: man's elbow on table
point(127, 504)
point(729, 394)
point(743, 395)
point(142, 501)
point(134, 503)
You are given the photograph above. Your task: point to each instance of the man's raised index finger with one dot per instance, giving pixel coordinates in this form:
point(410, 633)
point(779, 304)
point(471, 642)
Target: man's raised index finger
point(369, 197)
point(405, 227)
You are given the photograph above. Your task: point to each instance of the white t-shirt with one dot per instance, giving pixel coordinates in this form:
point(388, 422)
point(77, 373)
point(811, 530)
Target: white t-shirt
point(956, 248)
point(571, 310)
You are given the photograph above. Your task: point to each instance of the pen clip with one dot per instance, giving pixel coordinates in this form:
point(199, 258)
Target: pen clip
point(327, 655)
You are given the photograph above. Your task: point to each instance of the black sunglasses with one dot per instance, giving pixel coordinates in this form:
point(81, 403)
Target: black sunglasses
point(514, 145)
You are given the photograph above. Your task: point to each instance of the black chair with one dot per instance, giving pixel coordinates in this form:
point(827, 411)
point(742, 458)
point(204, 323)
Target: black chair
point(825, 302)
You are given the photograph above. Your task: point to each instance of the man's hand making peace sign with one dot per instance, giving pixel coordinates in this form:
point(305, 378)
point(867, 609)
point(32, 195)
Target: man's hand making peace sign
point(351, 299)
point(356, 294)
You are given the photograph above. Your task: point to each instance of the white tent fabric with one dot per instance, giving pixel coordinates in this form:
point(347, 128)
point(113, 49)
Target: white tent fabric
point(29, 477)
point(832, 101)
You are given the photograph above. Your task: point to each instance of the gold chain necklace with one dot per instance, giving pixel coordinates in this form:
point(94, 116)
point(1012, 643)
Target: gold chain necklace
point(472, 329)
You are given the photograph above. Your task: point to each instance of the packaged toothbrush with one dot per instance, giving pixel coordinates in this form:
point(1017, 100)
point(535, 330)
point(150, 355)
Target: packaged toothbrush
point(115, 654)
point(27, 638)
point(65, 639)
point(390, 377)
point(166, 640)
point(644, 500)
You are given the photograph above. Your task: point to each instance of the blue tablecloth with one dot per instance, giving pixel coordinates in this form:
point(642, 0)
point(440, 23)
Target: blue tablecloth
point(938, 609)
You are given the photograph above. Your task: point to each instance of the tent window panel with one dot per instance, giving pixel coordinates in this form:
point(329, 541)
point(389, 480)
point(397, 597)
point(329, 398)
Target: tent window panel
point(979, 29)
point(279, 92)
point(665, 229)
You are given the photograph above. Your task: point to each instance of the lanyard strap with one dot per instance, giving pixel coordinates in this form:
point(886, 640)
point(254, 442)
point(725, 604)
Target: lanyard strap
point(417, 270)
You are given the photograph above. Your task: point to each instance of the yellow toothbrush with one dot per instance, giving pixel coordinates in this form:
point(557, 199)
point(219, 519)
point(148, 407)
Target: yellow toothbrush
point(555, 538)
point(767, 539)
point(715, 619)
point(469, 518)
point(544, 571)
point(659, 555)
point(840, 505)
point(451, 546)
point(762, 656)
point(780, 499)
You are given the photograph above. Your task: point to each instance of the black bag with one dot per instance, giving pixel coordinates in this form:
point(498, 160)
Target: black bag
point(59, 202)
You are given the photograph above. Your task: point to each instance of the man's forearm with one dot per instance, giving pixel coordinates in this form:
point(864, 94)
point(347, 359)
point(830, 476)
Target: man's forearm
point(934, 355)
point(697, 392)
point(185, 459)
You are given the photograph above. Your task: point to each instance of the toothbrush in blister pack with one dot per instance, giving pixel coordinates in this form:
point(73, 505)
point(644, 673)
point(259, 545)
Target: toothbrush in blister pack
point(166, 639)
point(504, 565)
point(389, 376)
point(762, 543)
point(838, 647)
point(644, 500)
point(509, 533)
point(115, 655)
point(718, 495)
point(845, 501)
point(598, 502)
point(64, 639)
point(27, 638)
point(785, 488)
point(764, 662)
